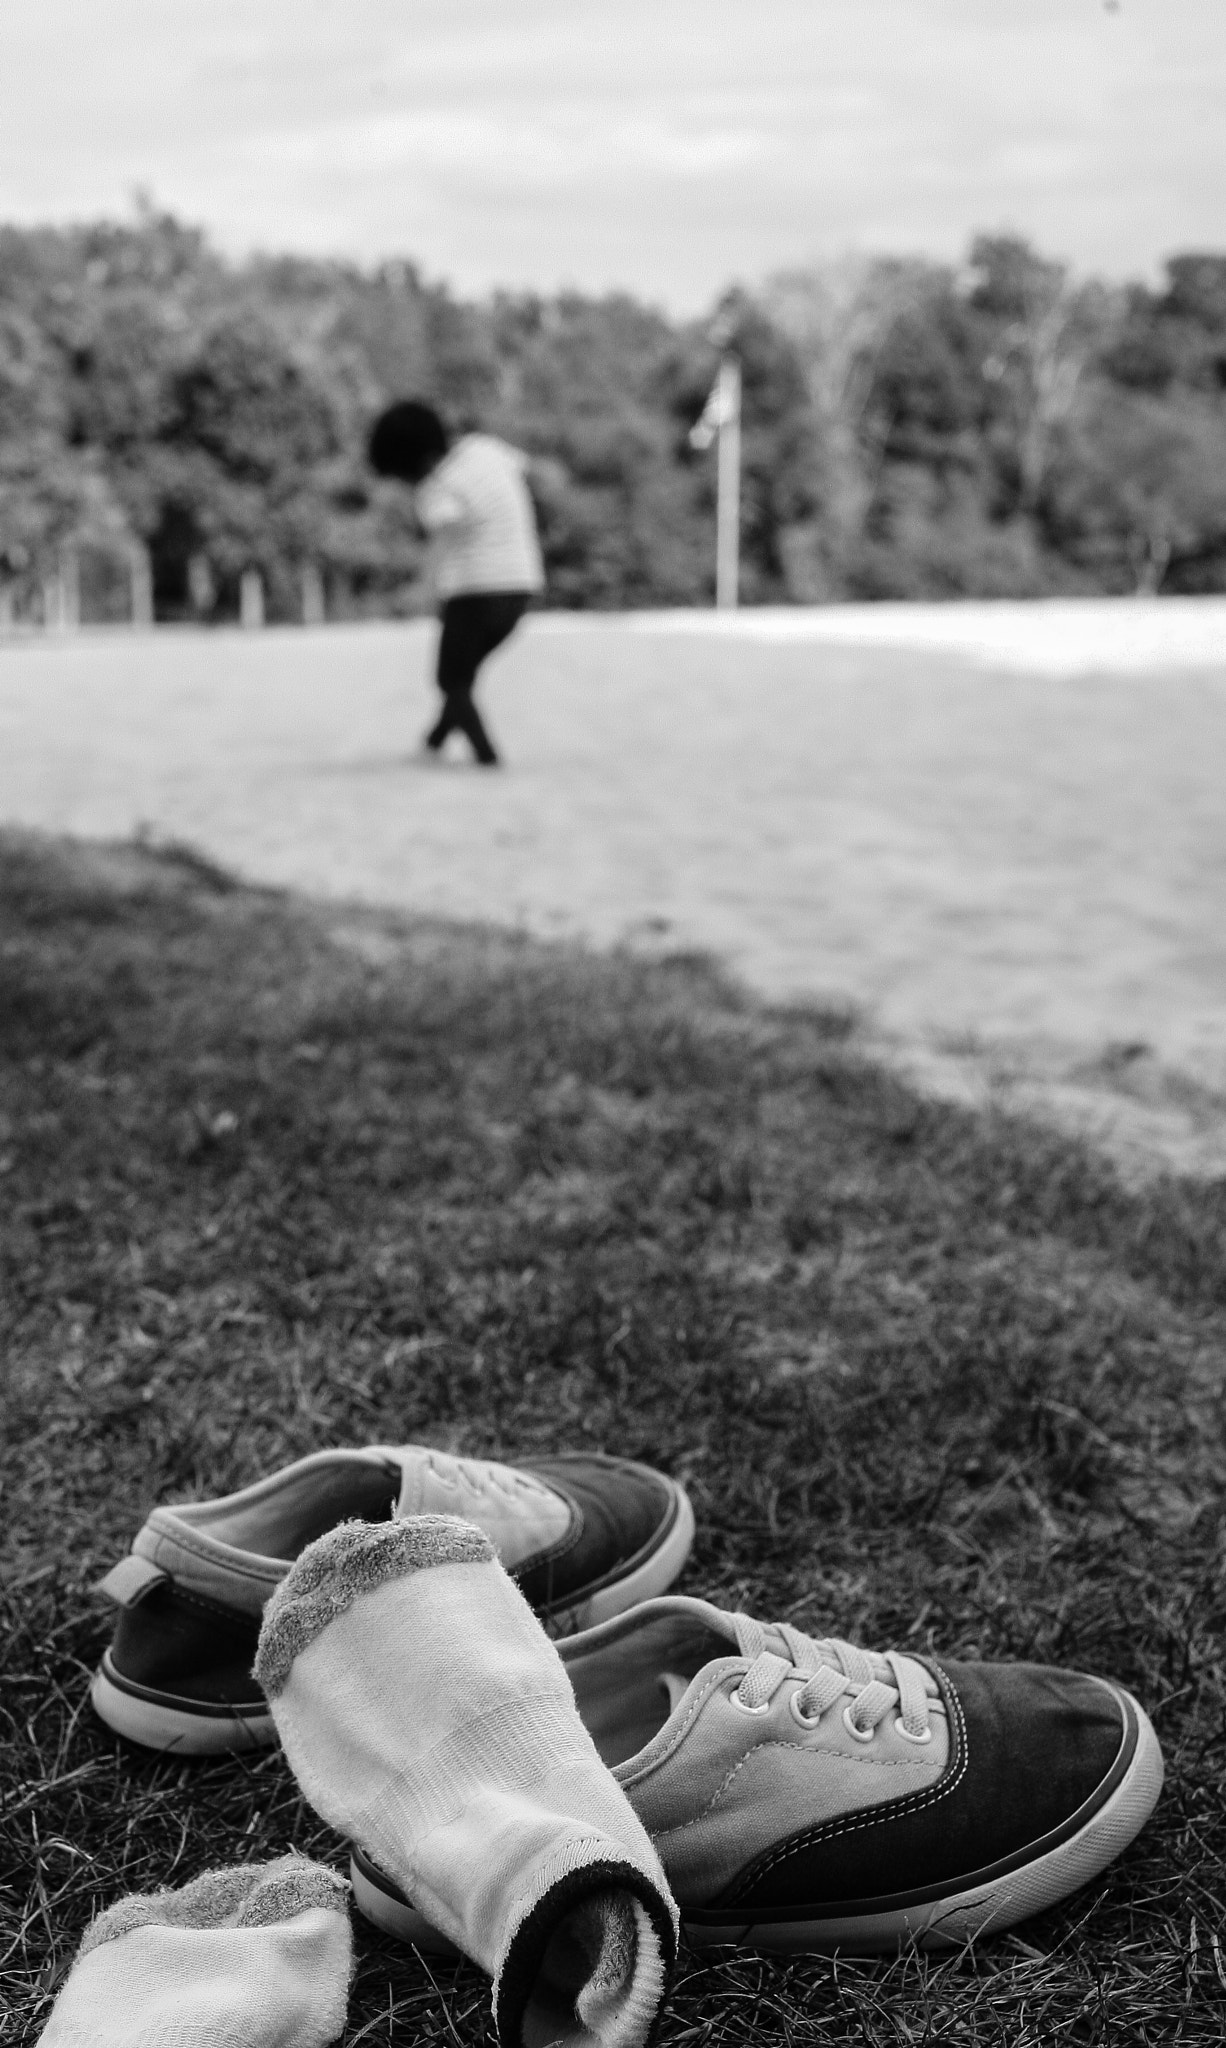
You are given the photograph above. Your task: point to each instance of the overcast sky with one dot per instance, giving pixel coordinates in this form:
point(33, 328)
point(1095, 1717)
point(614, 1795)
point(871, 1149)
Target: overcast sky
point(666, 145)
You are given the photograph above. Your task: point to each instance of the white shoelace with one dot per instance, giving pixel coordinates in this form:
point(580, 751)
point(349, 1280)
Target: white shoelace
point(830, 1669)
point(478, 1475)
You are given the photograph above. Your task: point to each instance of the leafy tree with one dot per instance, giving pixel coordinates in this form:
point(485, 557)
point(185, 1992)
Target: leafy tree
point(1040, 333)
point(587, 386)
point(1176, 337)
point(908, 429)
point(1139, 498)
point(839, 319)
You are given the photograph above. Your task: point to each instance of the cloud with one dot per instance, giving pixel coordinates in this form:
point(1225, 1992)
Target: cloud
point(665, 144)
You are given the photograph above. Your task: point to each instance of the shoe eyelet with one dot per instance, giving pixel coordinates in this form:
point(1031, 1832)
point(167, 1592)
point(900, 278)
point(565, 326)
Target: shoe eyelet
point(907, 1735)
point(763, 1707)
point(806, 1721)
point(854, 1729)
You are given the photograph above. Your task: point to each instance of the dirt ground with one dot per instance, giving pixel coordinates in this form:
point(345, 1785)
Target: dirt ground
point(997, 831)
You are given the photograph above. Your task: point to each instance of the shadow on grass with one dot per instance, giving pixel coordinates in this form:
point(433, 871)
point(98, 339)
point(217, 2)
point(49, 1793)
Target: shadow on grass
point(275, 1176)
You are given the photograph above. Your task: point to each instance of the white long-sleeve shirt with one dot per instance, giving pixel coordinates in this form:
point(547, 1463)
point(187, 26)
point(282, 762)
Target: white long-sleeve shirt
point(476, 508)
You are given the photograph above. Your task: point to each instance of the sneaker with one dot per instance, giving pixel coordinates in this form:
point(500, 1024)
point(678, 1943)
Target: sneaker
point(585, 1537)
point(426, 1714)
point(811, 1795)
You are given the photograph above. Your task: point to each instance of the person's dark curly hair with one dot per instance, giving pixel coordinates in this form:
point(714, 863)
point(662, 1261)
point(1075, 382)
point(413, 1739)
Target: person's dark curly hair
point(407, 441)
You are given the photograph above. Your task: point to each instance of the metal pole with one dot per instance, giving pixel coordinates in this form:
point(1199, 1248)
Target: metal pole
point(728, 486)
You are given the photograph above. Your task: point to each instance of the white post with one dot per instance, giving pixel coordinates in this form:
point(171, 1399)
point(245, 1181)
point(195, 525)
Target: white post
point(251, 598)
point(140, 585)
point(200, 586)
point(70, 589)
point(314, 597)
point(728, 486)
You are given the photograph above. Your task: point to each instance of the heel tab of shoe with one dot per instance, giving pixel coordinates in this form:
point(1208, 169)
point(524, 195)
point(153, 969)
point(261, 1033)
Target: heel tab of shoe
point(338, 1568)
point(131, 1581)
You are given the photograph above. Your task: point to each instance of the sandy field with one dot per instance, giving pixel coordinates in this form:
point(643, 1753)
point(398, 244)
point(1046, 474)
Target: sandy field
point(998, 831)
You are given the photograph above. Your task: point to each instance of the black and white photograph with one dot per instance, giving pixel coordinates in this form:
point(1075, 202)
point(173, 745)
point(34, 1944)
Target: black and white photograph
point(613, 1024)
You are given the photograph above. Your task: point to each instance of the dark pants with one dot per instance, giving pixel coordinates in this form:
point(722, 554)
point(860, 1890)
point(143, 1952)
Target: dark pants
point(474, 624)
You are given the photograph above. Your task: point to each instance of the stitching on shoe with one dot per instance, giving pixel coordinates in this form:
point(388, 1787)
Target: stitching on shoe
point(915, 1802)
point(205, 1552)
point(217, 1609)
point(899, 1763)
point(713, 1685)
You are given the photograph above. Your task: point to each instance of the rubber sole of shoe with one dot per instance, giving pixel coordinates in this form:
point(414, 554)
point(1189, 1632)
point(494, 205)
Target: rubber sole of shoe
point(379, 1900)
point(191, 1728)
point(162, 1721)
point(876, 1928)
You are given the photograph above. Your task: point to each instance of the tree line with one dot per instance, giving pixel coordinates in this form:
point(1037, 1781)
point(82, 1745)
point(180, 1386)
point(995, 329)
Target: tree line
point(182, 436)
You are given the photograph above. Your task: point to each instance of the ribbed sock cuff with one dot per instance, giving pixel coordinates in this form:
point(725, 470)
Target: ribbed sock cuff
point(352, 1559)
point(588, 1965)
point(242, 1895)
point(257, 1956)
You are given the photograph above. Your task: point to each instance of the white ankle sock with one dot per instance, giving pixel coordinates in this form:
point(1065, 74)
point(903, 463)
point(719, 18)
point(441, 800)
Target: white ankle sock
point(257, 1956)
point(426, 1715)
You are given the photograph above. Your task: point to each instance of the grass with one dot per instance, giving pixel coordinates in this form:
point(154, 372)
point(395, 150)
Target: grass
point(274, 1177)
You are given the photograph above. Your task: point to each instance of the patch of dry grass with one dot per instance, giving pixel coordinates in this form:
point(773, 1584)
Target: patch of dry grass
point(274, 1177)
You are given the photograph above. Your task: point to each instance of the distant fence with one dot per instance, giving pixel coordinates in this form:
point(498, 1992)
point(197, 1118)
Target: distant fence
point(89, 583)
point(92, 583)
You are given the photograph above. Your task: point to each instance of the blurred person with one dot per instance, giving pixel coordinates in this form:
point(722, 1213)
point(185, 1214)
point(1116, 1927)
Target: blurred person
point(472, 501)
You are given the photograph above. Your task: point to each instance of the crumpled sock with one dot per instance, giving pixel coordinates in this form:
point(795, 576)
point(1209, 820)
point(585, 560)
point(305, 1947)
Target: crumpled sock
point(254, 1956)
point(427, 1715)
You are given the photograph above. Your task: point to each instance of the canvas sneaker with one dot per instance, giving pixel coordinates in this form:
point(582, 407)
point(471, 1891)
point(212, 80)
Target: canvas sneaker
point(584, 1536)
point(807, 1794)
point(426, 1714)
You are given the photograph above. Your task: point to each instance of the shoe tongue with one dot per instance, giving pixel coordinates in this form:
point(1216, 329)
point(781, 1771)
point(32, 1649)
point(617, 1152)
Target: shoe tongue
point(674, 1685)
point(860, 1665)
point(520, 1515)
point(724, 1625)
